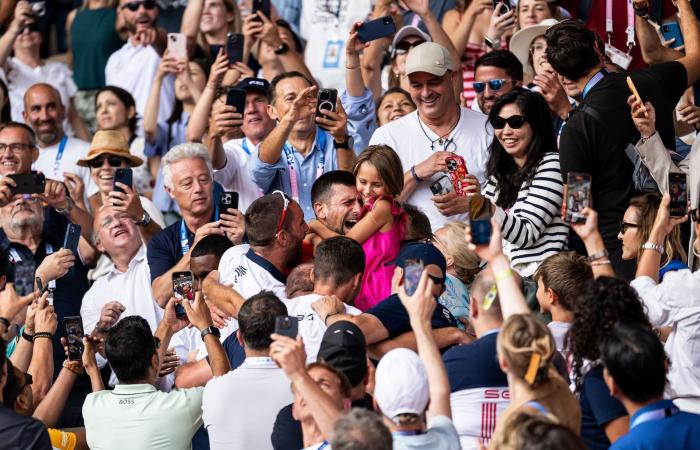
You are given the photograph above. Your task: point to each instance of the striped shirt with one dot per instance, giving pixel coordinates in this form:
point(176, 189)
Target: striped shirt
point(532, 228)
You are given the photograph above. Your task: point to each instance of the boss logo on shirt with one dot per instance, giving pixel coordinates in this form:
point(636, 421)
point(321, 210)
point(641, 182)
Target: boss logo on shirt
point(126, 401)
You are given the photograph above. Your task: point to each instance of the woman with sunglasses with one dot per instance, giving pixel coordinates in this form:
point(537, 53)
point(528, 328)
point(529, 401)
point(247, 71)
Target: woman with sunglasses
point(524, 191)
point(635, 230)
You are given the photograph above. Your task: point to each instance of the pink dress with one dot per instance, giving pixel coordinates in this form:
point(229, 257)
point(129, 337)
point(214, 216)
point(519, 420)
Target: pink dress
point(381, 248)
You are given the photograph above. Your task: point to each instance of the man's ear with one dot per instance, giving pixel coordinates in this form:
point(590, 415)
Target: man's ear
point(320, 210)
point(552, 297)
point(312, 275)
point(23, 402)
point(347, 404)
point(473, 308)
point(169, 191)
point(272, 112)
point(155, 362)
point(240, 338)
point(357, 279)
point(610, 383)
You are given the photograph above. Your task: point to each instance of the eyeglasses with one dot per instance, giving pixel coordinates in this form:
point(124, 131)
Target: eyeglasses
point(134, 6)
point(113, 161)
point(494, 85)
point(538, 48)
point(16, 147)
point(32, 27)
point(284, 211)
point(624, 226)
point(515, 122)
point(403, 47)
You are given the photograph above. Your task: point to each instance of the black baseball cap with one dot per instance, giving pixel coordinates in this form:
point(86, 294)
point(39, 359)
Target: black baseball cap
point(426, 253)
point(254, 84)
point(344, 348)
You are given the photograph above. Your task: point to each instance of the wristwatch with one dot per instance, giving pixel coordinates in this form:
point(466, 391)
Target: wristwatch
point(348, 143)
point(211, 330)
point(69, 207)
point(652, 246)
point(145, 220)
point(282, 49)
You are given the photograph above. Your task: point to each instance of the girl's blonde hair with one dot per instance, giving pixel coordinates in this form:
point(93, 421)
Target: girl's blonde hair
point(466, 261)
point(527, 347)
point(388, 165)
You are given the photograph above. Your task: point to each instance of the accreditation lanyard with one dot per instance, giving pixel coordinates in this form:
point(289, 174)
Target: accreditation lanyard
point(16, 257)
point(59, 156)
point(593, 81)
point(244, 145)
point(654, 414)
point(630, 23)
point(292, 163)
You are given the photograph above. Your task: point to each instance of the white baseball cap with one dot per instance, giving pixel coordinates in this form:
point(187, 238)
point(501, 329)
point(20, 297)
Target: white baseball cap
point(429, 57)
point(401, 384)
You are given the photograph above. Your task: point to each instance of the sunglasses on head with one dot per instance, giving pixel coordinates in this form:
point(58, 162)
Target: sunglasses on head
point(514, 122)
point(134, 6)
point(494, 85)
point(284, 211)
point(113, 161)
point(403, 47)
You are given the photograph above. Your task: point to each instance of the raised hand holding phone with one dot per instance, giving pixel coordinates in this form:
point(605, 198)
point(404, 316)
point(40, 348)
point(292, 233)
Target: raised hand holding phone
point(634, 91)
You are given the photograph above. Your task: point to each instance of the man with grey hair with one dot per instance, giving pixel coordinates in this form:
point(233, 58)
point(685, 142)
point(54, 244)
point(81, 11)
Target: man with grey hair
point(187, 177)
point(360, 429)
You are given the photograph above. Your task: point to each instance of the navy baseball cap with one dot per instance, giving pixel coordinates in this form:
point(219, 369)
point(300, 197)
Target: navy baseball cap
point(344, 348)
point(254, 84)
point(426, 253)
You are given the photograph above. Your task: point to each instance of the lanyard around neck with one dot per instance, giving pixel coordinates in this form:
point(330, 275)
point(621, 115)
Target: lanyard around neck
point(593, 81)
point(59, 155)
point(292, 162)
point(654, 414)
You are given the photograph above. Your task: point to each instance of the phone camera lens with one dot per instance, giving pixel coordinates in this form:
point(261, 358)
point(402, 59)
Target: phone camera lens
point(324, 95)
point(665, 28)
point(387, 20)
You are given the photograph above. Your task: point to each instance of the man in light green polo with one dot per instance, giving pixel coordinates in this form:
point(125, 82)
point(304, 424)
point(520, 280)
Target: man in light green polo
point(135, 415)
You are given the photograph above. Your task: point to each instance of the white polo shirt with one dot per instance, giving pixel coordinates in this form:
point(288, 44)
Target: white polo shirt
point(471, 139)
point(234, 176)
point(134, 68)
point(311, 327)
point(240, 408)
point(137, 416)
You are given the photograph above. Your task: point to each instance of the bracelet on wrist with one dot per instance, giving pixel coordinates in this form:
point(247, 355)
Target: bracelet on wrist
point(415, 175)
point(27, 336)
point(644, 139)
point(502, 275)
point(352, 68)
point(651, 246)
point(70, 367)
point(598, 255)
point(325, 321)
point(43, 334)
point(602, 262)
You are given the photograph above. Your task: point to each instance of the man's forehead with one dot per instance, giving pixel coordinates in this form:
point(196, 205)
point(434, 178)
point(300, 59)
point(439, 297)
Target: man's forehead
point(319, 374)
point(425, 77)
point(12, 135)
point(490, 72)
point(341, 192)
point(292, 84)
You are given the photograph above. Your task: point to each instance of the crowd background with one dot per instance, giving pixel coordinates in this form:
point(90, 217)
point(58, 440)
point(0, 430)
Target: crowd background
point(366, 224)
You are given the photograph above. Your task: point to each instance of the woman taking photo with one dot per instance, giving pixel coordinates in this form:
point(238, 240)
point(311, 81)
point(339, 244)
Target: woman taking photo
point(524, 190)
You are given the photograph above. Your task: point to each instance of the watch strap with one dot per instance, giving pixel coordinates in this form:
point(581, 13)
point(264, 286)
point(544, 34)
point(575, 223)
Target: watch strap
point(211, 330)
point(145, 219)
point(652, 246)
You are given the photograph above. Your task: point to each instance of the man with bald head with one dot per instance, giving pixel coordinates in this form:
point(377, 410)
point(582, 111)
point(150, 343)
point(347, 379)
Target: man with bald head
point(44, 112)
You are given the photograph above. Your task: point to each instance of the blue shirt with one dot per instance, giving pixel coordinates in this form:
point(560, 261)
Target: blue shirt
point(675, 431)
point(362, 117)
point(271, 177)
point(475, 365)
point(598, 407)
point(392, 314)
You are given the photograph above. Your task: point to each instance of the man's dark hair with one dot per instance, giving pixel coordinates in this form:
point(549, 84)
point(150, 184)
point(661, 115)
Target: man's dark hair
point(214, 244)
point(262, 217)
point(323, 185)
point(272, 95)
point(635, 358)
point(27, 129)
point(418, 227)
point(129, 347)
point(3, 355)
point(572, 49)
point(256, 319)
point(338, 259)
point(503, 59)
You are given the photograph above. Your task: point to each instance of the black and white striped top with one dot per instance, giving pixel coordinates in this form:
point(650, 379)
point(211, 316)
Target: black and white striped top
point(533, 227)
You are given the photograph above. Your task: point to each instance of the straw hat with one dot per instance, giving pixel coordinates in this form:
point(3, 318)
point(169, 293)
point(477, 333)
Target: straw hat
point(110, 142)
point(522, 39)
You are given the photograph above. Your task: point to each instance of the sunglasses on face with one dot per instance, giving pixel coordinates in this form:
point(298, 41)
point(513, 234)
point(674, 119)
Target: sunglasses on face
point(134, 6)
point(514, 122)
point(624, 226)
point(403, 47)
point(284, 211)
point(32, 27)
point(494, 85)
point(113, 161)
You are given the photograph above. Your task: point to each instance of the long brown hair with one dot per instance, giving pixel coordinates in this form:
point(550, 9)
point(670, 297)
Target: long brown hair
point(647, 205)
point(387, 163)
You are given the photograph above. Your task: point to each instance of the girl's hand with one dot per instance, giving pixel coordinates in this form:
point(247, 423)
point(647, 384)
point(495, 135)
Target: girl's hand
point(643, 116)
point(167, 65)
point(218, 70)
point(500, 25)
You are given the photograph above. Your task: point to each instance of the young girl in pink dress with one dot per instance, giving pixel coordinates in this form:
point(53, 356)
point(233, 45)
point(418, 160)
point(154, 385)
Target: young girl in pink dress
point(379, 179)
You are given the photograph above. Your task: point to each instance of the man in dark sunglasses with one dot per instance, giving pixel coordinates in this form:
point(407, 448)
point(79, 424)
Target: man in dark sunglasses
point(496, 73)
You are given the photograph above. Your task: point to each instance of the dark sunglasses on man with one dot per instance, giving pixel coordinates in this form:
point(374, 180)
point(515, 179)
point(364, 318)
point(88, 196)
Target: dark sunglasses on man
point(494, 85)
point(515, 122)
point(134, 6)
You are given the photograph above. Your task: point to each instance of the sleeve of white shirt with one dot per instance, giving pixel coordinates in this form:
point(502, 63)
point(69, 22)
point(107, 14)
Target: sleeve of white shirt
point(227, 174)
point(89, 312)
point(660, 300)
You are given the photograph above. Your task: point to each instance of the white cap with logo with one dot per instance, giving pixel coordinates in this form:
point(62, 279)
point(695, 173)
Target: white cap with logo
point(429, 57)
point(401, 384)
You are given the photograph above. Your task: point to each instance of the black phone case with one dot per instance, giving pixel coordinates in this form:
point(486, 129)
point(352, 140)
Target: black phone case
point(123, 175)
point(74, 335)
point(376, 29)
point(287, 326)
point(228, 200)
point(262, 6)
point(234, 47)
point(327, 99)
point(236, 97)
point(29, 183)
point(70, 241)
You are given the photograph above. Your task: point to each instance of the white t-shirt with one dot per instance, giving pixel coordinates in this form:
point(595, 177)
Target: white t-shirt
point(133, 68)
point(470, 139)
point(324, 25)
point(311, 327)
point(232, 410)
point(234, 176)
point(559, 330)
point(53, 169)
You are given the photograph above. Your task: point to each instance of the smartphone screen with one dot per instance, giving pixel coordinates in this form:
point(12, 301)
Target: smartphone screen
point(72, 237)
point(481, 231)
point(678, 190)
point(123, 175)
point(287, 326)
point(411, 275)
point(442, 186)
point(24, 277)
point(183, 289)
point(74, 335)
point(577, 196)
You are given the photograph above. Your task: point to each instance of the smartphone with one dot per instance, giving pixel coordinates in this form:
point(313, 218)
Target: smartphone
point(236, 97)
point(412, 272)
point(634, 90)
point(457, 171)
point(183, 289)
point(234, 47)
point(263, 6)
point(74, 335)
point(577, 195)
point(24, 277)
point(672, 30)
point(177, 45)
point(123, 175)
point(287, 326)
point(442, 186)
point(376, 29)
point(40, 286)
point(28, 183)
point(326, 101)
point(481, 231)
point(505, 7)
point(678, 190)
point(227, 200)
point(72, 237)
